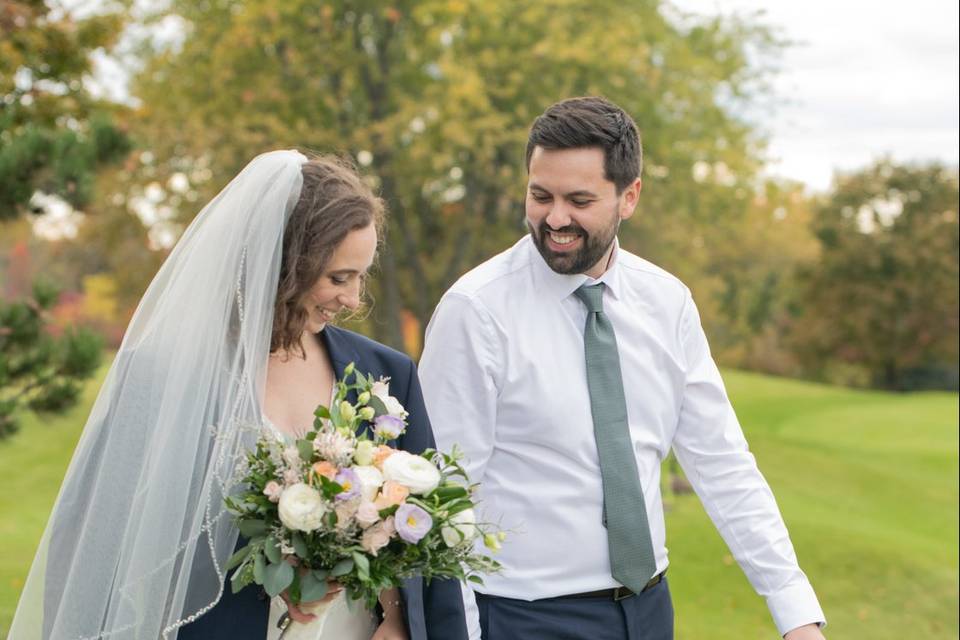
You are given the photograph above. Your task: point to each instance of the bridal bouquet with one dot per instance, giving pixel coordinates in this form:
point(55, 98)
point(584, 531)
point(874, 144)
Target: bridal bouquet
point(337, 505)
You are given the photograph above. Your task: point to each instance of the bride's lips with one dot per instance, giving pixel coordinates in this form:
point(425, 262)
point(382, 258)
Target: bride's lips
point(325, 314)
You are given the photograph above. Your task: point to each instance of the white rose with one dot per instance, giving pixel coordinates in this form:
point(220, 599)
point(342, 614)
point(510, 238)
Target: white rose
point(370, 481)
point(414, 472)
point(381, 389)
point(394, 408)
point(462, 528)
point(301, 508)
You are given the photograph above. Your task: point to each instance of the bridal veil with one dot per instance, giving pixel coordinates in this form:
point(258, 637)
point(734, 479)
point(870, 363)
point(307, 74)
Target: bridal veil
point(138, 537)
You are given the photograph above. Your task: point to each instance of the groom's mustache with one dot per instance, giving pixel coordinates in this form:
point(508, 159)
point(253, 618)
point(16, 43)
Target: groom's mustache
point(573, 229)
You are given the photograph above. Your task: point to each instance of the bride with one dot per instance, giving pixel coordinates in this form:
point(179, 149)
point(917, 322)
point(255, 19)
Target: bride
point(232, 337)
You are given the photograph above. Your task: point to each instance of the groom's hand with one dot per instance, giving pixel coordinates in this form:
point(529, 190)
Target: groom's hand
point(806, 632)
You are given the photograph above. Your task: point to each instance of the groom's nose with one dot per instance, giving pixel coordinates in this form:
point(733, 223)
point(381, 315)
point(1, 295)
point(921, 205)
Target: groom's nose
point(559, 215)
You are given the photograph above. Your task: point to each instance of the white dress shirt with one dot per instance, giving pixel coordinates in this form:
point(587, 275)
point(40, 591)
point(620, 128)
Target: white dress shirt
point(504, 377)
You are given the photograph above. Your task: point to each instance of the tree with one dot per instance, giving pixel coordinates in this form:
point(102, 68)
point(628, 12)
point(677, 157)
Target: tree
point(884, 294)
point(53, 133)
point(37, 370)
point(748, 284)
point(434, 99)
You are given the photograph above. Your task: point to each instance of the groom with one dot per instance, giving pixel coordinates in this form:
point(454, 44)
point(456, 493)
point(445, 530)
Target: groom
point(567, 368)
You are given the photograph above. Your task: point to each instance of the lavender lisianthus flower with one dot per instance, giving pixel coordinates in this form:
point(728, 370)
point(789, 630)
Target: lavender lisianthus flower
point(412, 522)
point(350, 481)
point(388, 427)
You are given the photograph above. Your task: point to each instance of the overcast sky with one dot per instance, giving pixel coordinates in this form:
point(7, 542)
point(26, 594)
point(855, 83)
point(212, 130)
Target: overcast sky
point(864, 79)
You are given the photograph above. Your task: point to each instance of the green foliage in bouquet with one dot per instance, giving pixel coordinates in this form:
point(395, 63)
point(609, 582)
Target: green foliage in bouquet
point(340, 503)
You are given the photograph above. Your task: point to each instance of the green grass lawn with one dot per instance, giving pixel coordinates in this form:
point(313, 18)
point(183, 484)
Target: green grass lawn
point(867, 483)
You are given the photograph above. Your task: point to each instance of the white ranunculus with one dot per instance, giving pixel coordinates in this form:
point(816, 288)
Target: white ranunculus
point(462, 527)
point(394, 407)
point(414, 472)
point(381, 389)
point(301, 507)
point(370, 481)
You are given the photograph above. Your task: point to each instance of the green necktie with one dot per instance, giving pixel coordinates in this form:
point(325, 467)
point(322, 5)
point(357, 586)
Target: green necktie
point(625, 514)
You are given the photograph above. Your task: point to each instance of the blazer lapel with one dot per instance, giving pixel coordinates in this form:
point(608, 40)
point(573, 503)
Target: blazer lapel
point(342, 352)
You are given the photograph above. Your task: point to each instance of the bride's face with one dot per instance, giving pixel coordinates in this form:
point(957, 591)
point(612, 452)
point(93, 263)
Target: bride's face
point(341, 283)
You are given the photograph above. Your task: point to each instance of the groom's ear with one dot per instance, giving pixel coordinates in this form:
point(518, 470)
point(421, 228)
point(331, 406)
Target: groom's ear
point(629, 199)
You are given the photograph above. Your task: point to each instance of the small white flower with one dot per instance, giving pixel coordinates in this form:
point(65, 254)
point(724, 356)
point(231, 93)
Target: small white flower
point(335, 447)
point(363, 454)
point(370, 481)
point(463, 528)
point(301, 508)
point(381, 389)
point(292, 457)
point(414, 472)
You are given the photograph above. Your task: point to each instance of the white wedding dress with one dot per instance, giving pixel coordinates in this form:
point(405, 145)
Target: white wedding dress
point(336, 620)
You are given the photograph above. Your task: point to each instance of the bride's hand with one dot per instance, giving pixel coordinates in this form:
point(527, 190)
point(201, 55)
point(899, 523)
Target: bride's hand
point(392, 628)
point(299, 615)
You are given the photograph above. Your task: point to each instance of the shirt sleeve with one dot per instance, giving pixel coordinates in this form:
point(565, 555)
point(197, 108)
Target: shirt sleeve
point(713, 452)
point(460, 376)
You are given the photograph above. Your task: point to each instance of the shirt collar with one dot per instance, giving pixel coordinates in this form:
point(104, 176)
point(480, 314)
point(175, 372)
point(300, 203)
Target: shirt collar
point(560, 286)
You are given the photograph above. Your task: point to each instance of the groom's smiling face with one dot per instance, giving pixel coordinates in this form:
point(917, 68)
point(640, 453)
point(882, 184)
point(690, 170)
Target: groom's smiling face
point(573, 210)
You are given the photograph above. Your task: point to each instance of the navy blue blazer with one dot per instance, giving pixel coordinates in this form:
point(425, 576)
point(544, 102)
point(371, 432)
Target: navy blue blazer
point(432, 611)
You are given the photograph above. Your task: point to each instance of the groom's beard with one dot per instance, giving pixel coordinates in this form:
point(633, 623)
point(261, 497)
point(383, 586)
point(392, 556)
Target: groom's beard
point(591, 251)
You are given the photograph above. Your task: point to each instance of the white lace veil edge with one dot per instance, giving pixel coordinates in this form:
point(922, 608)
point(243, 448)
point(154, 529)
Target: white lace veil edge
point(138, 537)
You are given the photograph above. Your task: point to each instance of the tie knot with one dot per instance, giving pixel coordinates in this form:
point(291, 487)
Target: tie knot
point(592, 296)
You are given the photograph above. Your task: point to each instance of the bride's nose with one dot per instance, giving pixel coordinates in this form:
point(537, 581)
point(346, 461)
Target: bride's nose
point(351, 298)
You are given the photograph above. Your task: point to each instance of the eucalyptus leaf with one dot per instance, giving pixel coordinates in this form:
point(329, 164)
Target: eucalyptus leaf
point(237, 558)
point(272, 550)
point(378, 405)
point(305, 449)
point(277, 577)
point(322, 412)
point(239, 580)
point(251, 528)
point(312, 588)
point(342, 568)
point(259, 565)
point(299, 545)
point(363, 565)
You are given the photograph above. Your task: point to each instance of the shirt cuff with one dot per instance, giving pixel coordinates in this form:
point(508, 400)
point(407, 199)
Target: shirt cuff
point(794, 606)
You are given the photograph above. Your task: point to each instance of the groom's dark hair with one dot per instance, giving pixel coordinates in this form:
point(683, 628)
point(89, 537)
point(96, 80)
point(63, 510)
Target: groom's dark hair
point(591, 121)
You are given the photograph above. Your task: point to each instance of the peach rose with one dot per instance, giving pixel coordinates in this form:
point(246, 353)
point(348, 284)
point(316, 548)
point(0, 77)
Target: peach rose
point(374, 539)
point(367, 514)
point(391, 493)
point(381, 454)
point(325, 469)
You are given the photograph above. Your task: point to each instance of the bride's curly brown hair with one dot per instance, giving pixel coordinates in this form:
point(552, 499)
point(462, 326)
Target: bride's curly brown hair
point(334, 201)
